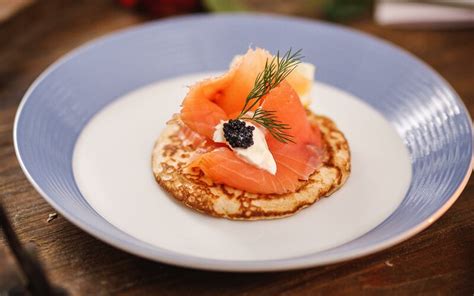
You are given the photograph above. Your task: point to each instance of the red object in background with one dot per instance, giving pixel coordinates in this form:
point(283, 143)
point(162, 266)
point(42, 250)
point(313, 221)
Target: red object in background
point(159, 8)
point(128, 3)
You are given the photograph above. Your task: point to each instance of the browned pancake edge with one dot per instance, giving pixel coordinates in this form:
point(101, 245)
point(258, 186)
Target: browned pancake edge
point(171, 156)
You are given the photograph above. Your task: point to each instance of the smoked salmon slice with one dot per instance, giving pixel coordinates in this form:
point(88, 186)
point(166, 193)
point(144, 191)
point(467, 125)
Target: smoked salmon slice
point(210, 101)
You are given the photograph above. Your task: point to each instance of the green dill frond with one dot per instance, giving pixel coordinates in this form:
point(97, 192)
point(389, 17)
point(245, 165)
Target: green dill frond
point(274, 72)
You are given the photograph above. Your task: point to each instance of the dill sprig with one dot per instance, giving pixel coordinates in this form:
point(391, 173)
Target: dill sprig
point(275, 127)
point(272, 75)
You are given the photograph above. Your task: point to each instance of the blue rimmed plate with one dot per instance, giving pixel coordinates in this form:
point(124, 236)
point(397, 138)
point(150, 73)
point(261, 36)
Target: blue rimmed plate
point(423, 111)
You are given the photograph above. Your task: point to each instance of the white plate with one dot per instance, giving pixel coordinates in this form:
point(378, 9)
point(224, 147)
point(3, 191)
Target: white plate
point(112, 168)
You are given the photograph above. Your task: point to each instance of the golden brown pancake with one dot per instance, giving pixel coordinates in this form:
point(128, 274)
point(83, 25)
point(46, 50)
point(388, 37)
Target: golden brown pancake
point(171, 156)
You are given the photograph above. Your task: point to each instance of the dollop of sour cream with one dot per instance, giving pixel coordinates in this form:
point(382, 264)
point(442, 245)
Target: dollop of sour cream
point(307, 70)
point(258, 154)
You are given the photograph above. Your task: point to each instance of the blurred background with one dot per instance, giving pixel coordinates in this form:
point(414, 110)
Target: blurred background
point(45, 29)
point(401, 13)
point(34, 33)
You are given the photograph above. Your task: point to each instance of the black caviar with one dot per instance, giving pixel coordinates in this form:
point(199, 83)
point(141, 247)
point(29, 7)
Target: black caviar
point(237, 134)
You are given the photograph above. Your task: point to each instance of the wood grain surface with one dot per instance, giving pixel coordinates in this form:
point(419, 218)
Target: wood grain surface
point(438, 261)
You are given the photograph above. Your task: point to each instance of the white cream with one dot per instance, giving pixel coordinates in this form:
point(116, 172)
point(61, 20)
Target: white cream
point(258, 154)
point(307, 70)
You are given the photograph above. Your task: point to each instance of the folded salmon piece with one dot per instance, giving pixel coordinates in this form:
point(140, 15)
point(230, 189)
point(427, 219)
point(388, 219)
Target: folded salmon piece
point(211, 101)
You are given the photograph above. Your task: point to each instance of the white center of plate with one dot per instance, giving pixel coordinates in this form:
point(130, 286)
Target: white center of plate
point(112, 167)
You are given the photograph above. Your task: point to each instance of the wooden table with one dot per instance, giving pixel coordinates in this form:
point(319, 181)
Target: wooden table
point(440, 260)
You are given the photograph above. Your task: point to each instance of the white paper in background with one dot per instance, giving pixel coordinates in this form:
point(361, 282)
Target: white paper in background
point(465, 3)
point(435, 14)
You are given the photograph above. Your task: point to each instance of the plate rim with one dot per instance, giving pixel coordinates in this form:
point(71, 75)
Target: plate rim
point(184, 260)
